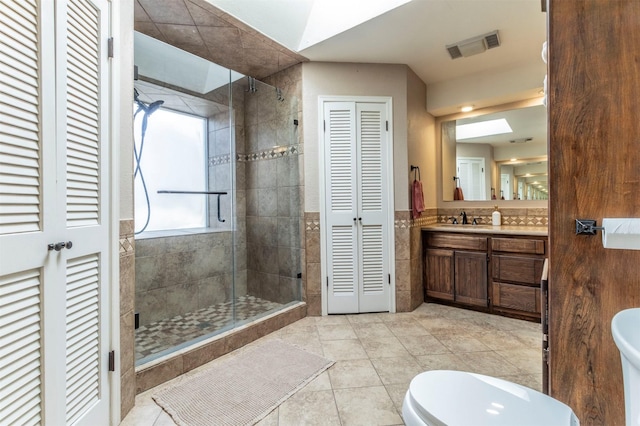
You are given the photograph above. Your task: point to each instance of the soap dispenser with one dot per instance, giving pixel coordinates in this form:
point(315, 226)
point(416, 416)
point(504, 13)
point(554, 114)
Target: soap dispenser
point(496, 217)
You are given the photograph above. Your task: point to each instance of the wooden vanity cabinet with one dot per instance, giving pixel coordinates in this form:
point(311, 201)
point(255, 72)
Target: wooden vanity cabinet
point(516, 265)
point(456, 268)
point(495, 272)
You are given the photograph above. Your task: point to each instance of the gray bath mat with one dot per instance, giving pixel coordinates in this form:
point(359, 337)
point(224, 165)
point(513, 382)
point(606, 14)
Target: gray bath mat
point(242, 389)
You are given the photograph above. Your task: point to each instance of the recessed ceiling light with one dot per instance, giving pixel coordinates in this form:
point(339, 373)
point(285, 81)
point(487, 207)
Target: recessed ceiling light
point(482, 128)
point(467, 108)
point(514, 159)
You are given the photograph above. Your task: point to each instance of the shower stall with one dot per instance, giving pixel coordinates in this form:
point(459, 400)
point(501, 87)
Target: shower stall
point(219, 186)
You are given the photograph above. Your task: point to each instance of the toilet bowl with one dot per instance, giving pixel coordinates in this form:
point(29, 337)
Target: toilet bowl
point(456, 398)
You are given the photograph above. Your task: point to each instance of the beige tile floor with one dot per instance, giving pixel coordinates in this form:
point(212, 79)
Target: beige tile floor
point(377, 355)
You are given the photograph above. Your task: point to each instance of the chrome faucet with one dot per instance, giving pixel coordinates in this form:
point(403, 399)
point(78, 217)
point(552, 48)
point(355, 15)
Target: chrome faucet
point(464, 218)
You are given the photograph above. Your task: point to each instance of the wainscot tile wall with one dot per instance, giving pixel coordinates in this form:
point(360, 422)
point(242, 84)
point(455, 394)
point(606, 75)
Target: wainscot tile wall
point(408, 249)
point(127, 316)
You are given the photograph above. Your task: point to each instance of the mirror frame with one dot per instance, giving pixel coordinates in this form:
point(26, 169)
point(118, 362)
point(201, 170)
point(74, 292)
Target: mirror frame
point(484, 203)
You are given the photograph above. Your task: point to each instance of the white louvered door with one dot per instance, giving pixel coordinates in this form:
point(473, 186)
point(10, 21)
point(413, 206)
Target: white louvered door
point(54, 304)
point(356, 145)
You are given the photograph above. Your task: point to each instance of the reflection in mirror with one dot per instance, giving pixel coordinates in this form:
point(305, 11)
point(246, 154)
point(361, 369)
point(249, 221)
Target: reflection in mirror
point(497, 156)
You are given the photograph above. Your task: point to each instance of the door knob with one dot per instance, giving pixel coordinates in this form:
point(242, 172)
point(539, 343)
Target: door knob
point(60, 246)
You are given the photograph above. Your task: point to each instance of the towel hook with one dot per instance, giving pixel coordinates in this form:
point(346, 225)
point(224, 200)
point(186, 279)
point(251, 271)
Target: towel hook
point(417, 172)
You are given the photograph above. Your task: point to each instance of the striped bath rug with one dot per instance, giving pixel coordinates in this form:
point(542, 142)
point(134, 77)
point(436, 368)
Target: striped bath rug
point(241, 389)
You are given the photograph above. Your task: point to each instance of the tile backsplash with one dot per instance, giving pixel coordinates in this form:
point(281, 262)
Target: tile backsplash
point(510, 216)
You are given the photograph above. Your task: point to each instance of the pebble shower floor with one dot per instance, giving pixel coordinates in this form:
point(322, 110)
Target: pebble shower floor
point(167, 333)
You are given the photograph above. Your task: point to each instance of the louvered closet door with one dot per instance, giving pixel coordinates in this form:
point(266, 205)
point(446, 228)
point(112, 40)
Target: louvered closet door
point(54, 305)
point(372, 204)
point(355, 201)
point(341, 208)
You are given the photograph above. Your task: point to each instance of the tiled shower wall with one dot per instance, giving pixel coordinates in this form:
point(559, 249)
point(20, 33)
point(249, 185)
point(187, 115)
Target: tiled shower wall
point(182, 273)
point(273, 187)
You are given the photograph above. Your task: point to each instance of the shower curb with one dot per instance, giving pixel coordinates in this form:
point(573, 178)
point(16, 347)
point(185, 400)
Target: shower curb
point(173, 365)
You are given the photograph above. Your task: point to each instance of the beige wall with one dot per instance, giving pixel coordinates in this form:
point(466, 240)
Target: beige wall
point(485, 89)
point(345, 79)
point(421, 144)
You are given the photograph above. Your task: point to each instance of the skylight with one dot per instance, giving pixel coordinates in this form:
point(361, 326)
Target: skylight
point(299, 24)
point(163, 62)
point(482, 128)
point(331, 17)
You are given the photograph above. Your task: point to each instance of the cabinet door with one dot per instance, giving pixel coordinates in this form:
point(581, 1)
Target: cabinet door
point(438, 270)
point(471, 278)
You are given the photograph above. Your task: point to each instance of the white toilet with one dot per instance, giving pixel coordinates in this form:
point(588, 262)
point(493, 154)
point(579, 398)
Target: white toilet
point(456, 398)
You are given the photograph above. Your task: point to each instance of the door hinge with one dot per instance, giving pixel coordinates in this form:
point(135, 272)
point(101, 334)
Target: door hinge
point(112, 361)
point(110, 47)
point(545, 355)
point(387, 122)
point(324, 125)
point(389, 276)
point(327, 282)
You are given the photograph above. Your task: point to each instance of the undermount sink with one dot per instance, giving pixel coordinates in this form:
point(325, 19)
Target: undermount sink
point(625, 327)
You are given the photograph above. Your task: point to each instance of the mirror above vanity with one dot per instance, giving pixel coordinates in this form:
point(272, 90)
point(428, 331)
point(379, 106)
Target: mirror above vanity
point(495, 153)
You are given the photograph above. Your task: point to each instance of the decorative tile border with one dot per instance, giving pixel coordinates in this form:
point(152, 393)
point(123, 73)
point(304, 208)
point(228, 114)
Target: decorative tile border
point(312, 225)
point(127, 245)
point(423, 221)
point(511, 217)
point(219, 159)
point(277, 152)
point(402, 223)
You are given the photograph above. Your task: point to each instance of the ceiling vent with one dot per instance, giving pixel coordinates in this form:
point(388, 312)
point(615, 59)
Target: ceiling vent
point(523, 140)
point(475, 45)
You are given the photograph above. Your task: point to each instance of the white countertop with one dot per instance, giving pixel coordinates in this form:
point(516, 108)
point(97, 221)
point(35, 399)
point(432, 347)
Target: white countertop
point(541, 231)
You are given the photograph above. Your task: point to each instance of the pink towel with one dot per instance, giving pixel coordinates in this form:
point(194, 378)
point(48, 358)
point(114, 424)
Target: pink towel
point(418, 199)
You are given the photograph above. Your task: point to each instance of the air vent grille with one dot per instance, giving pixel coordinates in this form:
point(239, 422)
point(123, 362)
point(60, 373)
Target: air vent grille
point(473, 46)
point(492, 40)
point(454, 51)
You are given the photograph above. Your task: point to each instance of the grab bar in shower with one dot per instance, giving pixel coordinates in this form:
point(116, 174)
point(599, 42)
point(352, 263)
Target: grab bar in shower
point(218, 193)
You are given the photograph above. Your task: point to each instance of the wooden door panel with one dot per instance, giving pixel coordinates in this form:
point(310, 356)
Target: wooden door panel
point(438, 270)
point(593, 111)
point(516, 297)
point(471, 278)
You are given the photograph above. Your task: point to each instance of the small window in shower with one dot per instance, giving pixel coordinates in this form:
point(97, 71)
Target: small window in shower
point(172, 157)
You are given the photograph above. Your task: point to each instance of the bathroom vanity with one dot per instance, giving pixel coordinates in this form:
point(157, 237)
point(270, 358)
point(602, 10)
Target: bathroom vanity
point(493, 269)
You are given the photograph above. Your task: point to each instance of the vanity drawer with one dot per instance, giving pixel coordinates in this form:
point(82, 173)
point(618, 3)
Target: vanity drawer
point(516, 297)
point(465, 242)
point(520, 269)
point(518, 245)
